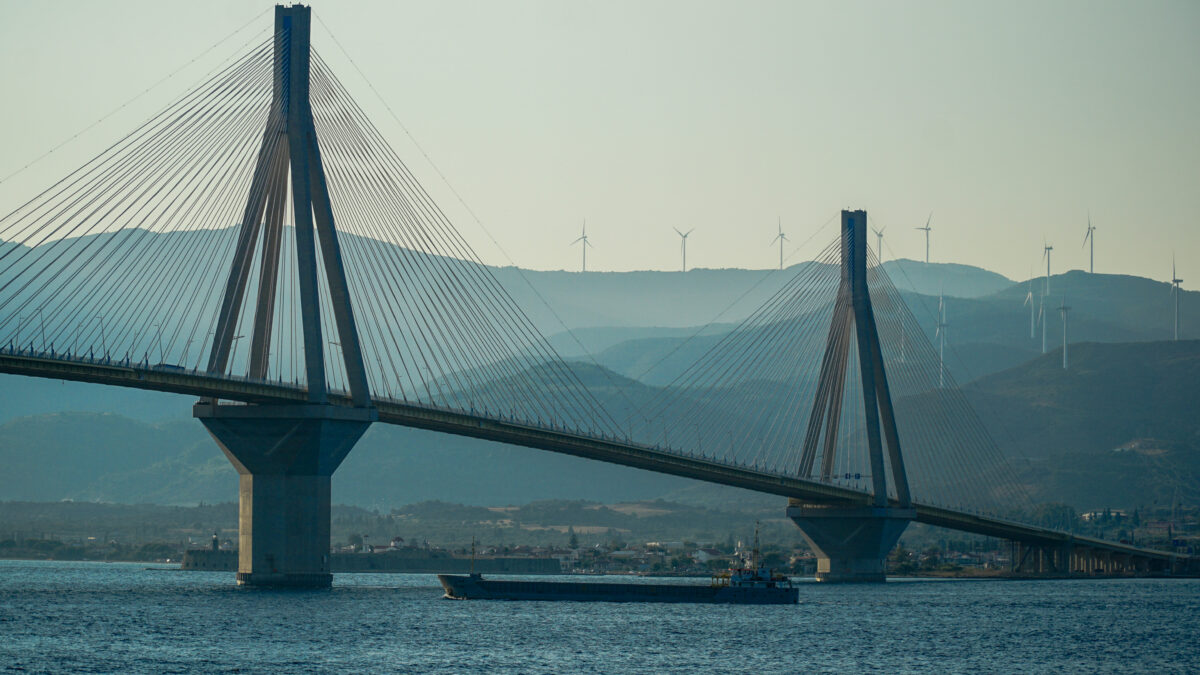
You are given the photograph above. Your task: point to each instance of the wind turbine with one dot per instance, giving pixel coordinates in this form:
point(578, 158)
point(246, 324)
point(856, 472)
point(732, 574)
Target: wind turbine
point(940, 333)
point(926, 230)
point(1046, 249)
point(1064, 309)
point(1042, 320)
point(584, 244)
point(1029, 301)
point(879, 242)
point(683, 244)
point(1176, 291)
point(1090, 237)
point(781, 237)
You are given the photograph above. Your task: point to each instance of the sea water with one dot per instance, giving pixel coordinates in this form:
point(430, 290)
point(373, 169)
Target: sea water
point(125, 618)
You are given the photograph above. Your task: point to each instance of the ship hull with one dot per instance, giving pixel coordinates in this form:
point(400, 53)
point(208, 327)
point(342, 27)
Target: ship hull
point(473, 587)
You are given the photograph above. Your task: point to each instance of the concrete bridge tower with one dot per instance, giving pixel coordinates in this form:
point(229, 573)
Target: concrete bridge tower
point(286, 454)
point(852, 540)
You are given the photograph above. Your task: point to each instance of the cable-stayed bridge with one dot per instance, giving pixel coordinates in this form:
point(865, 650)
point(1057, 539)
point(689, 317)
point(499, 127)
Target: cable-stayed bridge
point(257, 244)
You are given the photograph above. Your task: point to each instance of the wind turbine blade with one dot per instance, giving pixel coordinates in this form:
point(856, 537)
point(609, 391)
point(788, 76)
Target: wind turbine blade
point(690, 231)
point(677, 231)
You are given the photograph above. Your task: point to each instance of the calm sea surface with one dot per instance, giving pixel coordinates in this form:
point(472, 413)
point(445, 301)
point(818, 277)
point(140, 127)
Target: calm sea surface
point(95, 617)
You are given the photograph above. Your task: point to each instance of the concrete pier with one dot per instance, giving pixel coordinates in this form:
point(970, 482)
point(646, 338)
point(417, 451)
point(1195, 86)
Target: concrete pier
point(284, 456)
point(851, 543)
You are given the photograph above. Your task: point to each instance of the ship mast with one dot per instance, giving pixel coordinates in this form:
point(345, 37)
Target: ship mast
point(754, 554)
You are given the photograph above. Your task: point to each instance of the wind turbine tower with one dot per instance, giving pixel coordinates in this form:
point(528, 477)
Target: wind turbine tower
point(781, 237)
point(941, 335)
point(683, 244)
point(1176, 291)
point(1047, 248)
point(1090, 238)
point(1064, 309)
point(583, 244)
point(1042, 319)
point(926, 230)
point(1029, 301)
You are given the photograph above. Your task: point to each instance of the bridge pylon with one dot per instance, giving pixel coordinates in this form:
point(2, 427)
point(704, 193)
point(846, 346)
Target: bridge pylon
point(852, 540)
point(285, 455)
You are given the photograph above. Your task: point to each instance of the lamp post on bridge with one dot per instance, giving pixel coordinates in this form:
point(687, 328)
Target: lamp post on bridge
point(186, 346)
point(42, 323)
point(103, 340)
point(158, 337)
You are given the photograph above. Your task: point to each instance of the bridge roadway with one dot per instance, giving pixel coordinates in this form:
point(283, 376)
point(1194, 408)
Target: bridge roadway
point(598, 447)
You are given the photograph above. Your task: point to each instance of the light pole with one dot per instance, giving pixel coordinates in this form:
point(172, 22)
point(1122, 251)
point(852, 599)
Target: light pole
point(158, 338)
point(186, 346)
point(233, 345)
point(103, 341)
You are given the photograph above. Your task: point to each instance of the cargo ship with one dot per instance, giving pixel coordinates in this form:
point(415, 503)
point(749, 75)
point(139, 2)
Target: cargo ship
point(743, 587)
point(751, 585)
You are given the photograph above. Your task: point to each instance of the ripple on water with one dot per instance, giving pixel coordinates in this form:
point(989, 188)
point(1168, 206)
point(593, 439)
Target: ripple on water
point(94, 617)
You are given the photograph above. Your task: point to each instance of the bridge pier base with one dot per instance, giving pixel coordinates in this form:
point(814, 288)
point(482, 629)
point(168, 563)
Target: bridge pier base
point(852, 543)
point(285, 456)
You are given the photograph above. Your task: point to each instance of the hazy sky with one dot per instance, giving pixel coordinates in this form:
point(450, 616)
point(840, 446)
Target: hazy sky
point(1007, 120)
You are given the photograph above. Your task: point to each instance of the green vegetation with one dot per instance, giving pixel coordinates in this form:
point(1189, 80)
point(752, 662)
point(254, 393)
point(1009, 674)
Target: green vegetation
point(50, 549)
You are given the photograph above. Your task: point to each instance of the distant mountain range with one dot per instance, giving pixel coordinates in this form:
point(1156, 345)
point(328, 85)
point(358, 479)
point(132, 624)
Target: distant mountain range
point(985, 334)
point(1124, 408)
point(602, 301)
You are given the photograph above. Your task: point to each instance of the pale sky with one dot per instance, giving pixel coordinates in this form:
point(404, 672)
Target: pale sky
point(1007, 120)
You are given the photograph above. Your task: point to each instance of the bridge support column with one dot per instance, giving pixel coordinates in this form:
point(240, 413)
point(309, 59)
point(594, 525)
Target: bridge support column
point(284, 456)
point(852, 543)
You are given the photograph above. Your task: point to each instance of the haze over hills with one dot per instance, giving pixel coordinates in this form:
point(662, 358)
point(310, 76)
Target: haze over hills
point(126, 445)
point(594, 307)
point(985, 334)
point(672, 300)
point(1117, 430)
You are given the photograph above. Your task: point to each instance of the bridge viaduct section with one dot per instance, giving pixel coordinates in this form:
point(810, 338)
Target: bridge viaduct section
point(286, 453)
point(1035, 547)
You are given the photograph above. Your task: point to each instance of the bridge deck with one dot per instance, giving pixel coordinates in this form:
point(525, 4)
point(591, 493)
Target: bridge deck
point(602, 448)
